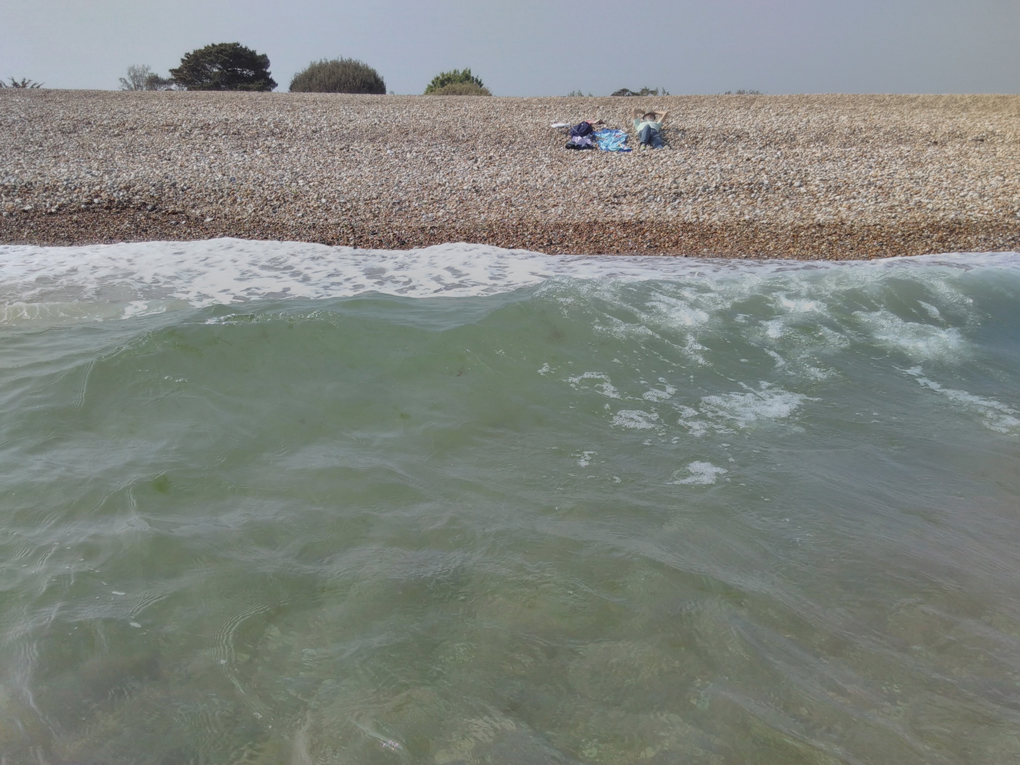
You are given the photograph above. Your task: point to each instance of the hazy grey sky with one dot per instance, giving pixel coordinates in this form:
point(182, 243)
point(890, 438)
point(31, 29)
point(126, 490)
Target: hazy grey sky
point(542, 47)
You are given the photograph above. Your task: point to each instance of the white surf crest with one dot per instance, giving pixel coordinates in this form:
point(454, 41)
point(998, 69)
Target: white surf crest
point(994, 415)
point(39, 283)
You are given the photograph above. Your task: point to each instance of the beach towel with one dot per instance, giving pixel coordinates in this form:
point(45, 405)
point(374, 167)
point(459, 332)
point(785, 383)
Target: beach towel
point(612, 140)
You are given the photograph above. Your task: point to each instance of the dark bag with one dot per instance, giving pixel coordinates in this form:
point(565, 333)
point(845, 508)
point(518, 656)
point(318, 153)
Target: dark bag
point(581, 129)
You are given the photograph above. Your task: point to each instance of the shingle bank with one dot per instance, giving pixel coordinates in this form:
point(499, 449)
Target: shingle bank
point(831, 177)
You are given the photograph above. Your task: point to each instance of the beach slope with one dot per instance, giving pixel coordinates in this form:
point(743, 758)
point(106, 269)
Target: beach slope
point(827, 177)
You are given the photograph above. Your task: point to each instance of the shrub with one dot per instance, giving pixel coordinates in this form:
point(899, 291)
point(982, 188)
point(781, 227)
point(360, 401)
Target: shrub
point(742, 93)
point(443, 79)
point(461, 89)
point(642, 92)
point(22, 83)
point(224, 66)
point(343, 75)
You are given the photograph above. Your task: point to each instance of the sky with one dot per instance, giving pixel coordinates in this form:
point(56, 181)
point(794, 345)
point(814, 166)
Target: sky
point(541, 47)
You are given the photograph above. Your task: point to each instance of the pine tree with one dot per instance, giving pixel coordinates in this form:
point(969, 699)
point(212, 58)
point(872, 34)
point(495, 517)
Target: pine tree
point(224, 66)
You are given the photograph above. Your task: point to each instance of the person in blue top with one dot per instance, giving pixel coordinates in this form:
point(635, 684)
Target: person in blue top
point(649, 127)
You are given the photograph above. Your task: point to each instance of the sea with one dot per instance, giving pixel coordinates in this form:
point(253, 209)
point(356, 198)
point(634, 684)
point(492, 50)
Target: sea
point(271, 502)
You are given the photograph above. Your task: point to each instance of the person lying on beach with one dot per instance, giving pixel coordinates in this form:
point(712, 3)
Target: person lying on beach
point(649, 127)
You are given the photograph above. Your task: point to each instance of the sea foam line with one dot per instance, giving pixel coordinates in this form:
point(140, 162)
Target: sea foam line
point(224, 271)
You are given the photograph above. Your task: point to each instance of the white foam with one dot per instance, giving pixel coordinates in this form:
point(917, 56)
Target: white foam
point(921, 342)
point(635, 419)
point(617, 328)
point(745, 409)
point(994, 415)
point(654, 394)
point(830, 338)
point(699, 474)
point(603, 386)
point(739, 411)
point(796, 305)
point(677, 313)
point(693, 350)
point(235, 270)
point(931, 310)
point(774, 328)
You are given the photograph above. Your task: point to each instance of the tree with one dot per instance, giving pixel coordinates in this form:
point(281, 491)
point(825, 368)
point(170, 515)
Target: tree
point(136, 77)
point(22, 83)
point(143, 78)
point(344, 75)
point(224, 66)
point(155, 82)
point(443, 79)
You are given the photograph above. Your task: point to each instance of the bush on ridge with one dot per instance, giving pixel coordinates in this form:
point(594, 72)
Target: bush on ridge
point(342, 75)
point(461, 89)
point(456, 77)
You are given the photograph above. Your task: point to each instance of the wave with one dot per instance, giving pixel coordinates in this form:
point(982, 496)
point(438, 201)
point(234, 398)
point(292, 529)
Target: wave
point(270, 500)
point(122, 280)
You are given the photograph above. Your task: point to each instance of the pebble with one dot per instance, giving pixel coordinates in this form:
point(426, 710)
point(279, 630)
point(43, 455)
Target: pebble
point(821, 176)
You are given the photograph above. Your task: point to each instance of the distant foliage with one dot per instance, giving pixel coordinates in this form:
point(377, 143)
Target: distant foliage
point(155, 82)
point(136, 77)
point(344, 75)
point(742, 93)
point(453, 77)
point(642, 92)
point(461, 89)
point(224, 66)
point(140, 77)
point(23, 83)
point(578, 94)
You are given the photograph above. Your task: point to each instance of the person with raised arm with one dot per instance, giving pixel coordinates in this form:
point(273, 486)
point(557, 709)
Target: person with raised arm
point(649, 127)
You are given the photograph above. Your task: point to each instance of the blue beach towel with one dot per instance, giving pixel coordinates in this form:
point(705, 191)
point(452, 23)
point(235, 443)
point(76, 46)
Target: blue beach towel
point(609, 139)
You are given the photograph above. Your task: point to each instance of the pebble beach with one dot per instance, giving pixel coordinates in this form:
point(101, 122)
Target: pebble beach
point(755, 176)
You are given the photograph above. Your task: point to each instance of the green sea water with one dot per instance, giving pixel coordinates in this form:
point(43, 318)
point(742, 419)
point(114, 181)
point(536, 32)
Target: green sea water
point(757, 515)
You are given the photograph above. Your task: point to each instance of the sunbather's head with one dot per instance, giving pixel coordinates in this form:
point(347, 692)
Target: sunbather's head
point(649, 117)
